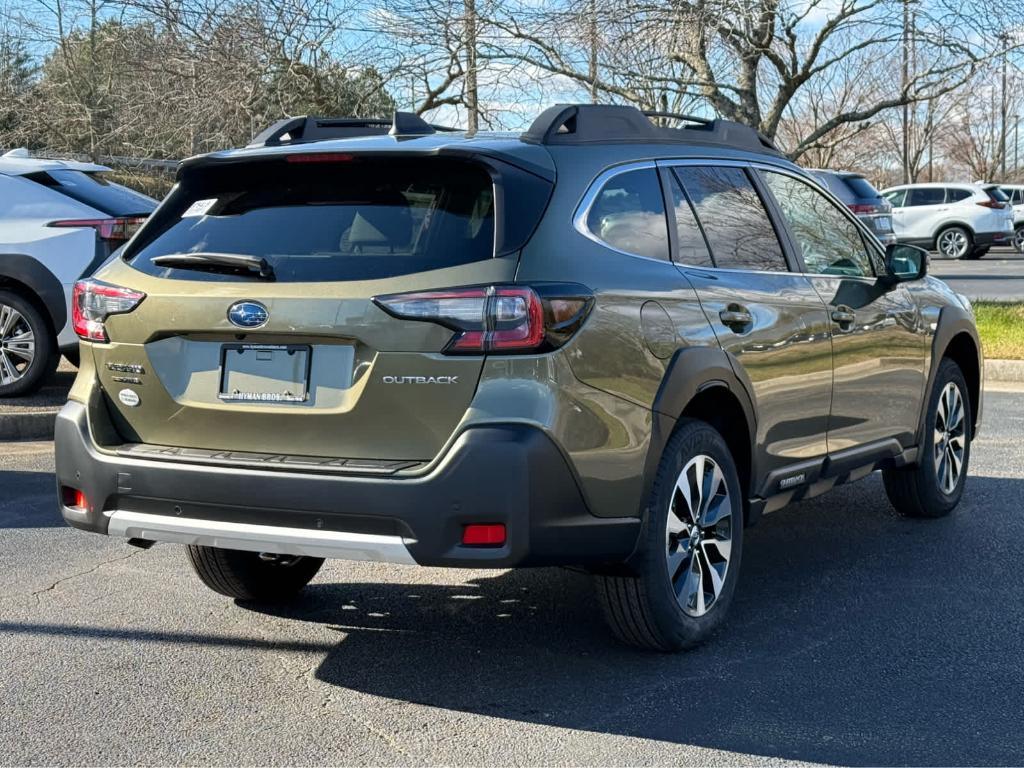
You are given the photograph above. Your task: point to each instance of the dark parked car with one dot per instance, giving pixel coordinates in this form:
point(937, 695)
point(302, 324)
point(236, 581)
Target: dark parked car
point(858, 194)
point(601, 343)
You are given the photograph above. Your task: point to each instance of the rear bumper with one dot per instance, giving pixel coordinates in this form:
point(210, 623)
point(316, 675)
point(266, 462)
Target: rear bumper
point(512, 474)
point(992, 238)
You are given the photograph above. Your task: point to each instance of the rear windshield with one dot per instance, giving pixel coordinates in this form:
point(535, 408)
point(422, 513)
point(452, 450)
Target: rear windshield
point(354, 219)
point(997, 194)
point(96, 192)
point(861, 187)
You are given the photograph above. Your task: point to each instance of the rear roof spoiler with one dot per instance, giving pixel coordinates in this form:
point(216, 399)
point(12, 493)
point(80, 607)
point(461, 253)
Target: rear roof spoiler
point(569, 124)
point(307, 129)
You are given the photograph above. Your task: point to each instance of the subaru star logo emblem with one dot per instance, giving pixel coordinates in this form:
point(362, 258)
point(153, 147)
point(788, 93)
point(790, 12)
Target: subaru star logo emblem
point(248, 314)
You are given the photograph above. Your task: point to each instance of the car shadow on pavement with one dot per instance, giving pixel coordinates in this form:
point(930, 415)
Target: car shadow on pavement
point(33, 504)
point(857, 637)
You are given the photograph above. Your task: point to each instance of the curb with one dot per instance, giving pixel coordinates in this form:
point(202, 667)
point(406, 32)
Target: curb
point(1004, 370)
point(31, 425)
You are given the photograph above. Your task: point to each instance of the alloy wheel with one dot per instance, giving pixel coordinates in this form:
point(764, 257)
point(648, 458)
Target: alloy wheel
point(1018, 239)
point(698, 535)
point(953, 243)
point(17, 345)
point(950, 438)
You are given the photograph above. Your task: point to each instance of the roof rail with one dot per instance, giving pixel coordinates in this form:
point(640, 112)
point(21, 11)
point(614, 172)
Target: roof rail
point(306, 129)
point(610, 123)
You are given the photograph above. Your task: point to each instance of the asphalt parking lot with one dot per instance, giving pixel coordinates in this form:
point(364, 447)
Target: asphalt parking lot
point(857, 637)
point(998, 276)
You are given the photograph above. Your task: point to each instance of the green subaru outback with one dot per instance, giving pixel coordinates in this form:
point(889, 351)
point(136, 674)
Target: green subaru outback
point(604, 343)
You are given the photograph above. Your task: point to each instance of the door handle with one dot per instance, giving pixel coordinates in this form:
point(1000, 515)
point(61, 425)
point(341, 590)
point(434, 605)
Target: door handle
point(737, 318)
point(844, 316)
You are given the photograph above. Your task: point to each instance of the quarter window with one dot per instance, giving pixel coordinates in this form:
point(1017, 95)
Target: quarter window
point(738, 230)
point(829, 241)
point(629, 214)
point(956, 195)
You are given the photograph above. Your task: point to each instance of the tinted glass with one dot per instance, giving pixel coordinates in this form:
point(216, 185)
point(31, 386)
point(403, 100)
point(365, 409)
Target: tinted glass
point(835, 184)
point(896, 197)
point(860, 186)
point(829, 241)
point(629, 214)
point(926, 196)
point(693, 250)
point(997, 194)
point(333, 221)
point(956, 195)
point(96, 192)
point(737, 227)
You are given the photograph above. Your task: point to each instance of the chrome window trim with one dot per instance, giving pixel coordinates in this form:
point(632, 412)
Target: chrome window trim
point(597, 184)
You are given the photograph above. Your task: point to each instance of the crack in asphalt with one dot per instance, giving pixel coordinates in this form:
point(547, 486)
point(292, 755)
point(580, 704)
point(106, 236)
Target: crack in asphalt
point(38, 594)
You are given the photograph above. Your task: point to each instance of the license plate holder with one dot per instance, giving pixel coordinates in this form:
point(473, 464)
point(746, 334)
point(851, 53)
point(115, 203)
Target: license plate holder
point(265, 373)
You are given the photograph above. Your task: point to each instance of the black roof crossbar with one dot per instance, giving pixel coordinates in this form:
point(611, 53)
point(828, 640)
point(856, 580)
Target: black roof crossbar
point(306, 129)
point(568, 124)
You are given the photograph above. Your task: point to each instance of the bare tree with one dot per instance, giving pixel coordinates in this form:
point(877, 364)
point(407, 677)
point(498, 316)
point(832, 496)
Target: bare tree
point(751, 60)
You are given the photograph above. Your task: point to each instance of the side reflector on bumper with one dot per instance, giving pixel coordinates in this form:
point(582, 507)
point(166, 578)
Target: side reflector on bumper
point(484, 535)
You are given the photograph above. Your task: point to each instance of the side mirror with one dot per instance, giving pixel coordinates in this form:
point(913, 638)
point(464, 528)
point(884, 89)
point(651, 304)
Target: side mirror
point(905, 262)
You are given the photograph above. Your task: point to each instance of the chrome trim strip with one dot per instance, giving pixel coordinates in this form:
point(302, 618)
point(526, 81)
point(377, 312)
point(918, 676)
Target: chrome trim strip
point(259, 538)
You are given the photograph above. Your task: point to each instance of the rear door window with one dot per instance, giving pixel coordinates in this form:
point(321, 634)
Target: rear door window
point(628, 214)
point(926, 196)
point(956, 195)
point(735, 222)
point(96, 192)
point(692, 248)
point(325, 221)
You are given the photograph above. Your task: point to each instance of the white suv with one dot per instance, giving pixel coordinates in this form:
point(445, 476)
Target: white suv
point(960, 221)
point(59, 220)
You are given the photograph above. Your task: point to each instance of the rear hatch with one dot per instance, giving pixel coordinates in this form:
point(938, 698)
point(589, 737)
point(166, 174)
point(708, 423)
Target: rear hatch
point(295, 358)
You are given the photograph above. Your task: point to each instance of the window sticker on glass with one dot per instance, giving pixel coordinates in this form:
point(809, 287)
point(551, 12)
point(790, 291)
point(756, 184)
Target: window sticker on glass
point(199, 208)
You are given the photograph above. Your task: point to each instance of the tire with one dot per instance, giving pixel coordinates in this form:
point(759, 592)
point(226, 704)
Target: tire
point(923, 489)
point(642, 608)
point(954, 242)
point(252, 575)
point(1018, 238)
point(28, 350)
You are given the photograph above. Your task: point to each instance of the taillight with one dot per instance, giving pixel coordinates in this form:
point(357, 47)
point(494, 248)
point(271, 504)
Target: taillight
point(93, 302)
point(497, 318)
point(864, 208)
point(115, 230)
point(994, 204)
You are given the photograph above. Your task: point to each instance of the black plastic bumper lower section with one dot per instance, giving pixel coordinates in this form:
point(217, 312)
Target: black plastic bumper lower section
point(983, 239)
point(511, 474)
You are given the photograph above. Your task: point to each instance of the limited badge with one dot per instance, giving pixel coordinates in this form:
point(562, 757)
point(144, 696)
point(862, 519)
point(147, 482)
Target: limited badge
point(129, 397)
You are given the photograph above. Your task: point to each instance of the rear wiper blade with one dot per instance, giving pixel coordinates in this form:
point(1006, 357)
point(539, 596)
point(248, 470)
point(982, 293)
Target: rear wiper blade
point(201, 259)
